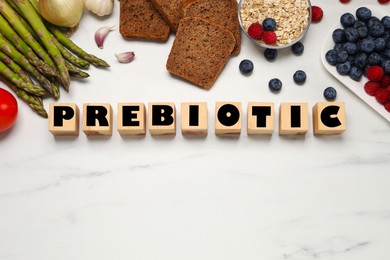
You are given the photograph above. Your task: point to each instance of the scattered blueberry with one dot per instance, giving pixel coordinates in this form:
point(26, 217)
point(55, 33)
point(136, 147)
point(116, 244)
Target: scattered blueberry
point(344, 68)
point(351, 47)
point(299, 77)
point(275, 85)
point(347, 19)
point(374, 59)
point(351, 34)
point(355, 73)
point(269, 24)
point(338, 36)
point(246, 66)
point(297, 48)
point(376, 29)
point(363, 13)
point(330, 93)
point(270, 54)
point(331, 57)
point(367, 45)
point(386, 22)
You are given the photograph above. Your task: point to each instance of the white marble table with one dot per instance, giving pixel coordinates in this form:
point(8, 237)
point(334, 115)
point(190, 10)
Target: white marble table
point(198, 198)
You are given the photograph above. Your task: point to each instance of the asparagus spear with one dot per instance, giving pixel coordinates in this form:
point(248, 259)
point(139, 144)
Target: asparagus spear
point(32, 101)
point(13, 53)
point(75, 72)
point(19, 82)
point(69, 44)
point(21, 45)
point(14, 67)
point(70, 57)
point(46, 37)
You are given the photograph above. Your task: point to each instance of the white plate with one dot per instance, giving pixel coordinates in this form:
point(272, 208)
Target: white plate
point(354, 86)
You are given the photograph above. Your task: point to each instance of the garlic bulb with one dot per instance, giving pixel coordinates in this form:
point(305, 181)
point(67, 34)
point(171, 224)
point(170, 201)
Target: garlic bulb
point(100, 7)
point(66, 13)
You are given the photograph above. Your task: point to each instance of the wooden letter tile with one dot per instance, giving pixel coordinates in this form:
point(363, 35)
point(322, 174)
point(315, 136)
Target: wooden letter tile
point(228, 118)
point(329, 118)
point(97, 119)
point(162, 118)
point(293, 119)
point(131, 119)
point(261, 118)
point(194, 118)
point(64, 119)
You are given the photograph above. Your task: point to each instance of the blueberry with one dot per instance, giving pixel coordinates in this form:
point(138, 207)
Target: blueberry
point(297, 48)
point(347, 20)
point(270, 54)
point(351, 48)
point(362, 31)
point(338, 36)
point(386, 22)
point(330, 93)
point(355, 73)
point(246, 67)
point(361, 60)
point(359, 24)
point(386, 54)
point(339, 47)
point(299, 77)
point(386, 66)
point(275, 85)
point(367, 45)
point(363, 13)
point(380, 44)
point(269, 24)
point(351, 34)
point(376, 29)
point(372, 20)
point(342, 56)
point(344, 68)
point(374, 59)
point(331, 57)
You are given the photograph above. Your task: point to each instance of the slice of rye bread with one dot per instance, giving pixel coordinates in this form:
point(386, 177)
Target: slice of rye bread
point(140, 19)
point(170, 11)
point(200, 51)
point(223, 12)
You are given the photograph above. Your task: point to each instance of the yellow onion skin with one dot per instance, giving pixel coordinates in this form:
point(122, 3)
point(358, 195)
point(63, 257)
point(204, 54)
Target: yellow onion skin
point(65, 13)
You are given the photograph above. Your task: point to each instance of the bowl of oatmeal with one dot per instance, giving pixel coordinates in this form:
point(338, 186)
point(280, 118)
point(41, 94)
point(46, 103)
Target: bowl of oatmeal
point(292, 19)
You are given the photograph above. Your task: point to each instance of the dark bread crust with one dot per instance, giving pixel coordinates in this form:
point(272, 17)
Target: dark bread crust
point(200, 51)
point(170, 10)
point(140, 19)
point(223, 12)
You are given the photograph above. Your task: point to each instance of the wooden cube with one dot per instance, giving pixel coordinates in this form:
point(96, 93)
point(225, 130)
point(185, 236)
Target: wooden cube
point(329, 118)
point(194, 118)
point(64, 119)
point(131, 119)
point(162, 118)
point(97, 119)
point(260, 118)
point(228, 118)
point(293, 119)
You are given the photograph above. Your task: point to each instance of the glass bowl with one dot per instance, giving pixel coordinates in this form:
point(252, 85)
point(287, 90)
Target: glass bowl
point(278, 45)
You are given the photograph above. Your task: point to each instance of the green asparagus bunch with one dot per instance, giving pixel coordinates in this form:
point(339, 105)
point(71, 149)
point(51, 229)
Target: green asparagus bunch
point(36, 57)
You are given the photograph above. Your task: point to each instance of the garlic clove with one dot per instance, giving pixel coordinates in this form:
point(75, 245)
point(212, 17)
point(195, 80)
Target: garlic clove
point(101, 34)
point(125, 57)
point(100, 7)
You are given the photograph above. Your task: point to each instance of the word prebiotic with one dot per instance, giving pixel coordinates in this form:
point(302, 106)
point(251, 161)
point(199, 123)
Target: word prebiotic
point(160, 118)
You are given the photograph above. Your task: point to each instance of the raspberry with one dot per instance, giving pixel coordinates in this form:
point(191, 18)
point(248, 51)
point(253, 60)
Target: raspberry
point(255, 31)
point(269, 37)
point(371, 87)
point(316, 14)
point(383, 1)
point(385, 81)
point(382, 95)
point(344, 1)
point(387, 107)
point(375, 73)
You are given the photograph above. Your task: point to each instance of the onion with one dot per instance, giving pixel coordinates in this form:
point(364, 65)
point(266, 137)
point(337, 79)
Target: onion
point(66, 13)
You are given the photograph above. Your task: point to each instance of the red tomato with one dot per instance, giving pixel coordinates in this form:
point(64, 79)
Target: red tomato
point(8, 110)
